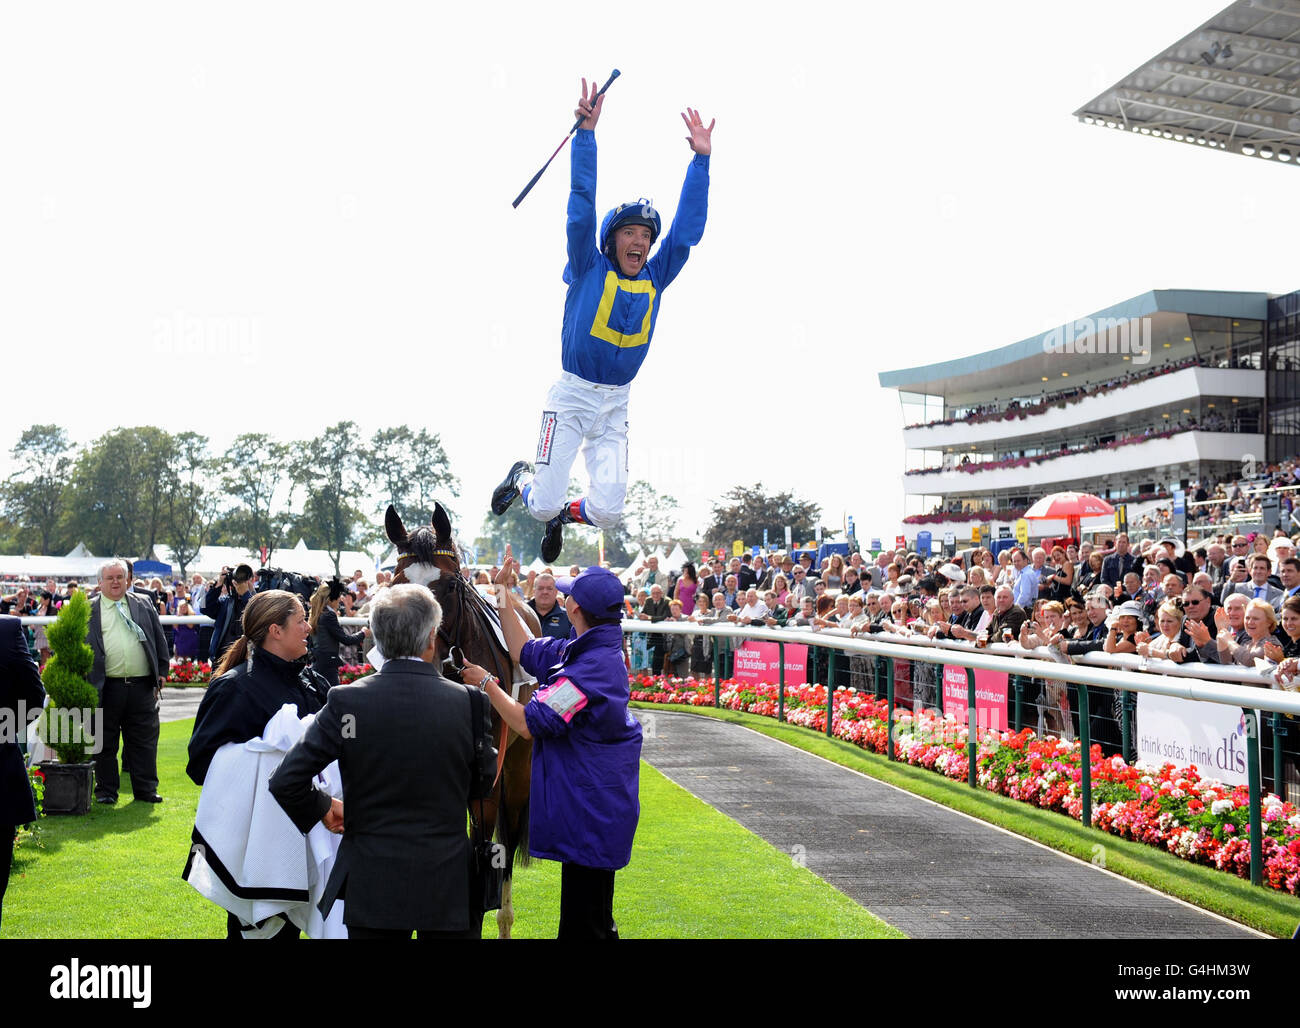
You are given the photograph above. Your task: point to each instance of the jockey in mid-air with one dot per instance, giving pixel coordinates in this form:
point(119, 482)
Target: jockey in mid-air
point(609, 320)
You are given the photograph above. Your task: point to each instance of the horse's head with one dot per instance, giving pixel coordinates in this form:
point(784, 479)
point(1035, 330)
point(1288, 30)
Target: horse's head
point(425, 555)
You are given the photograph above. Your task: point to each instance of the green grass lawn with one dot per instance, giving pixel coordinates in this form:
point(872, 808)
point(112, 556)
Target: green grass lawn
point(1260, 907)
point(115, 873)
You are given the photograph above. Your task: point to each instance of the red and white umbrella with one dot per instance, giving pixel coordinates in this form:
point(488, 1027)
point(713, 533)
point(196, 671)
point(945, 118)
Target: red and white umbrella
point(1069, 506)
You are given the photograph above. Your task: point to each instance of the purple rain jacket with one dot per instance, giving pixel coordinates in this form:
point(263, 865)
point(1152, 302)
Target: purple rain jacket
point(586, 750)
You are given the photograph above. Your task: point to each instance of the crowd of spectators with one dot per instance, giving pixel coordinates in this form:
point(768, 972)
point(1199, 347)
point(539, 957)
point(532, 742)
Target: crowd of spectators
point(1021, 460)
point(1023, 408)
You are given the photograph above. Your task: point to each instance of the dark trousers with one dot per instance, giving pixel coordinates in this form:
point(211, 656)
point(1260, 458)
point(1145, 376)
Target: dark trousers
point(327, 668)
point(7, 835)
point(130, 710)
point(423, 935)
point(657, 646)
point(287, 933)
point(586, 903)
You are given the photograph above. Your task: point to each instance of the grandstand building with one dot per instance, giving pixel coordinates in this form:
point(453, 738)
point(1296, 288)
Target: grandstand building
point(1160, 392)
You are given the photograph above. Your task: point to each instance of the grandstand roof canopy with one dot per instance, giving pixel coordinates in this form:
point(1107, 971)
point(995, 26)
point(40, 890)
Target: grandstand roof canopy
point(1232, 85)
point(1030, 359)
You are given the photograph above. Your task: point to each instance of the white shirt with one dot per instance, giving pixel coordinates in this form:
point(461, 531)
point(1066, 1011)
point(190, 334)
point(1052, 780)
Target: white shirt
point(755, 611)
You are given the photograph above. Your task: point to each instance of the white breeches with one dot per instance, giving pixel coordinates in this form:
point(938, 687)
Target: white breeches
point(582, 414)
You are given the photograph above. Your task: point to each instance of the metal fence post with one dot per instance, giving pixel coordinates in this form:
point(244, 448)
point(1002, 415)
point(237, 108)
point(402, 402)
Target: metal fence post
point(1019, 683)
point(830, 668)
point(972, 727)
point(1279, 733)
point(1253, 781)
point(1125, 727)
point(889, 702)
point(830, 711)
point(1085, 757)
point(780, 695)
point(1128, 709)
point(717, 684)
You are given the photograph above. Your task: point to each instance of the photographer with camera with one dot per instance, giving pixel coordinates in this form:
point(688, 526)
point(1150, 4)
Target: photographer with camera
point(228, 595)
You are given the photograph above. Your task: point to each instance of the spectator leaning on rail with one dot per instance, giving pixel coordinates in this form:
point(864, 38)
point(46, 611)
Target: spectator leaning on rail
point(586, 748)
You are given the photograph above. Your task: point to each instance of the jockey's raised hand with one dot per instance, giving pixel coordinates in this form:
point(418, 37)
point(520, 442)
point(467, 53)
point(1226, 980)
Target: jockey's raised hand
point(588, 108)
point(700, 138)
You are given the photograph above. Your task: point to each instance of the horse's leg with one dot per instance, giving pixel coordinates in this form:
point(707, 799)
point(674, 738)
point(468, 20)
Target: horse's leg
point(516, 776)
point(484, 828)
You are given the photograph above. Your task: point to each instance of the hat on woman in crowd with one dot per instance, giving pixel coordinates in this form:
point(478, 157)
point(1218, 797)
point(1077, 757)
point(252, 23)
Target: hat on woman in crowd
point(1129, 608)
point(953, 573)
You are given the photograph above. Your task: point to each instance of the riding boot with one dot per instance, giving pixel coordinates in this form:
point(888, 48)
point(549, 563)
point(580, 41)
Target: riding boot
point(513, 485)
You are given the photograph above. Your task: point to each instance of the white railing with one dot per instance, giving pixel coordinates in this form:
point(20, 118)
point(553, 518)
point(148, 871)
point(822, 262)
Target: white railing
point(1230, 685)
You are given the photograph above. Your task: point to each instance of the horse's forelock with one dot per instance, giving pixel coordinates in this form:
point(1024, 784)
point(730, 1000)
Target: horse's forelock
point(421, 546)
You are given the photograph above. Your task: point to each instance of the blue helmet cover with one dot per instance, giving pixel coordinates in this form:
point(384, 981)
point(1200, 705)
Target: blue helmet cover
point(640, 212)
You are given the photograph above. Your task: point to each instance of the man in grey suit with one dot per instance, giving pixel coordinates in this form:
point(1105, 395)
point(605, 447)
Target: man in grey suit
point(1258, 587)
point(131, 663)
point(406, 746)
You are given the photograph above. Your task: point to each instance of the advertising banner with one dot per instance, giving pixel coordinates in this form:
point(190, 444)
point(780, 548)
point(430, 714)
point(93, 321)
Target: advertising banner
point(1210, 735)
point(759, 662)
point(990, 696)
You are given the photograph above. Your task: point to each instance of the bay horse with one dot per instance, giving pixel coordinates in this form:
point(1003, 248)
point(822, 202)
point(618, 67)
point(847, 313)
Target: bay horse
point(428, 556)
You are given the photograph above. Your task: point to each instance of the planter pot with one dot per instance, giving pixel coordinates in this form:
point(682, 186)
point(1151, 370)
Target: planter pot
point(69, 788)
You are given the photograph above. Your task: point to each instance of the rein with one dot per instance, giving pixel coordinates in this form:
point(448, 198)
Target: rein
point(455, 659)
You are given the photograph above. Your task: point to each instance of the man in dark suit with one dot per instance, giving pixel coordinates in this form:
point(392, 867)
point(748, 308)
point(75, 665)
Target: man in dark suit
point(744, 573)
point(20, 683)
point(406, 746)
point(131, 663)
point(711, 583)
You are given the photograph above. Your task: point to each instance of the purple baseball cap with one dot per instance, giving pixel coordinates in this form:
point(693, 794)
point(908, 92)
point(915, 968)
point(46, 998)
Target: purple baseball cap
point(596, 590)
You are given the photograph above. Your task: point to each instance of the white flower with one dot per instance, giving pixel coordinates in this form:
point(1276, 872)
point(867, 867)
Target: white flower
point(1221, 806)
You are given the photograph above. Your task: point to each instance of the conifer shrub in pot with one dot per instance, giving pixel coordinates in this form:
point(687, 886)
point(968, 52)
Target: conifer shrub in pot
point(67, 723)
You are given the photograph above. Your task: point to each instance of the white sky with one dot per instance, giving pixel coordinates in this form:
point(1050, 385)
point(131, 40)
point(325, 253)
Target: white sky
point(891, 185)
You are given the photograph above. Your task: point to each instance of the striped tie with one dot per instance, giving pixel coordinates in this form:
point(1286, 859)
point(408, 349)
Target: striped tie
point(121, 609)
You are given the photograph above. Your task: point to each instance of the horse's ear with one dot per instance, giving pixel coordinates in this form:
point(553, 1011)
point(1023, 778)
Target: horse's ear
point(394, 527)
point(441, 523)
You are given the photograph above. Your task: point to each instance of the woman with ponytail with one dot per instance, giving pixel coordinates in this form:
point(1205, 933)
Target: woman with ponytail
point(263, 670)
point(327, 633)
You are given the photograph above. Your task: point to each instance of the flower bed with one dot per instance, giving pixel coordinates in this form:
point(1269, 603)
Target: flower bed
point(1198, 819)
point(197, 672)
point(189, 672)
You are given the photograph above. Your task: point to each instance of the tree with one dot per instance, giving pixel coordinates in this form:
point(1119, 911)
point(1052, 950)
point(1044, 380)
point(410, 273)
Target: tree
point(191, 502)
point(118, 490)
point(33, 495)
point(651, 518)
point(411, 471)
point(745, 512)
point(328, 469)
point(256, 466)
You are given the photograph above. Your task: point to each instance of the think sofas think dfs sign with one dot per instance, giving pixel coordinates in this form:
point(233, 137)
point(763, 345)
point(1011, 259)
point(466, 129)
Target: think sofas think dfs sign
point(1210, 735)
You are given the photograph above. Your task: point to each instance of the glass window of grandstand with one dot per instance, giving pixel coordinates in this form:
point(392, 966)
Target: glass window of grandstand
point(921, 408)
point(914, 506)
point(1227, 342)
point(1283, 379)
